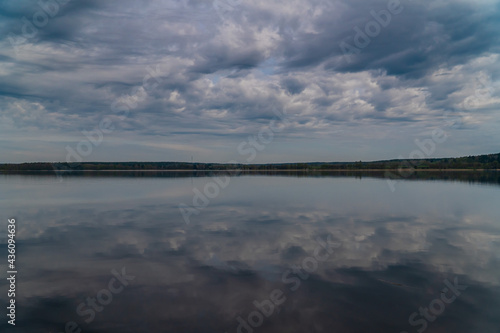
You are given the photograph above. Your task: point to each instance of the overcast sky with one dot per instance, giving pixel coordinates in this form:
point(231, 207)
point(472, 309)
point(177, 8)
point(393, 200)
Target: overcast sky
point(251, 81)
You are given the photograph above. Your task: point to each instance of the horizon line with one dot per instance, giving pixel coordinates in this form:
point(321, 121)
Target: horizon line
point(241, 163)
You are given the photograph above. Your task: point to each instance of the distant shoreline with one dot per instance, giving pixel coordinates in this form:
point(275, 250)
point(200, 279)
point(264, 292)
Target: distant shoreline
point(260, 170)
point(467, 163)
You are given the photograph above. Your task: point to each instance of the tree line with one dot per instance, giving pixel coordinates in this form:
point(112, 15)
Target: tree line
point(490, 162)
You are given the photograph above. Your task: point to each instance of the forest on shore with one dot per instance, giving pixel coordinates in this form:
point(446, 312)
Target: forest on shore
point(488, 162)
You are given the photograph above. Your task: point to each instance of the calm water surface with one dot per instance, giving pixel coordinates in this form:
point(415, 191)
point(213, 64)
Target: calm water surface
point(101, 253)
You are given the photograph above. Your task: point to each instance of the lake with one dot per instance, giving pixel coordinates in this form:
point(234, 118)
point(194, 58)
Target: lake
point(283, 252)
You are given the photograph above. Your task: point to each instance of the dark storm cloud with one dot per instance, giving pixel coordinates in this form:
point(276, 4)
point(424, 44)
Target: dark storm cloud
point(414, 42)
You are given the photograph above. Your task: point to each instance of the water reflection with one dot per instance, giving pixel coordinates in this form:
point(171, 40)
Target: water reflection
point(395, 250)
point(471, 176)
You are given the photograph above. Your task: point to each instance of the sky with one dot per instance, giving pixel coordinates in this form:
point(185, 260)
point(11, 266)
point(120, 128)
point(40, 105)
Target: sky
point(248, 81)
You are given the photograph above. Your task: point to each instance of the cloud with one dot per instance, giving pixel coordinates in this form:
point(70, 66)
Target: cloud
point(224, 71)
